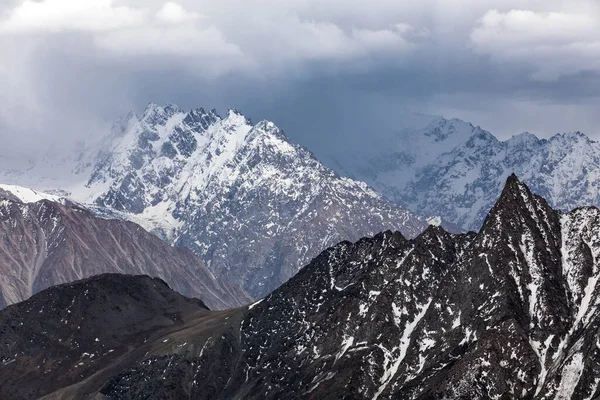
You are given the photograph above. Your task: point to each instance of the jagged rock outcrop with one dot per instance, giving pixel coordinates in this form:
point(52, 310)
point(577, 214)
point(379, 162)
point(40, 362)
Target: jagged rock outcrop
point(509, 312)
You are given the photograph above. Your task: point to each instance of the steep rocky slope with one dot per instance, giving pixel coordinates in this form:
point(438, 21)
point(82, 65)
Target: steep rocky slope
point(70, 331)
point(45, 243)
point(509, 312)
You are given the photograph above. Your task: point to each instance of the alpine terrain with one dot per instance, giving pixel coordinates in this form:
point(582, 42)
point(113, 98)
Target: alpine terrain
point(254, 206)
point(508, 312)
point(452, 169)
point(46, 240)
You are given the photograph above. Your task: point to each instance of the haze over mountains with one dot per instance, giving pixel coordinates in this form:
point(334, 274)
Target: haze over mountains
point(447, 167)
point(509, 312)
point(255, 207)
point(429, 164)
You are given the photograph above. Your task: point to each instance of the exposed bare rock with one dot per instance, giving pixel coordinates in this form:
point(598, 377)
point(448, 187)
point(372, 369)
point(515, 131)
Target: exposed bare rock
point(511, 312)
point(46, 243)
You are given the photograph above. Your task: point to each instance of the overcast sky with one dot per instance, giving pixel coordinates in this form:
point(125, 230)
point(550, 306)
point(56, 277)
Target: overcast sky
point(322, 70)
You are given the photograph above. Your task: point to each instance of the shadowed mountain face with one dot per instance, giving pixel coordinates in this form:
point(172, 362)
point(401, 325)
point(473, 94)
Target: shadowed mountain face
point(46, 243)
point(509, 312)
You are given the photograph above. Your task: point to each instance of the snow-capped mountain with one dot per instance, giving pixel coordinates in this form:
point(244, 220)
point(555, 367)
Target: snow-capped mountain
point(450, 168)
point(253, 205)
point(46, 240)
point(510, 312)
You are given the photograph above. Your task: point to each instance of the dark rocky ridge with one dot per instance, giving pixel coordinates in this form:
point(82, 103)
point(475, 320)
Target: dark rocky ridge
point(70, 331)
point(47, 243)
point(509, 312)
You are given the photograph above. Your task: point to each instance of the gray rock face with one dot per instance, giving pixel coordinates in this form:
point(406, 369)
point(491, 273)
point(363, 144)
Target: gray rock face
point(509, 312)
point(452, 169)
point(254, 206)
point(46, 243)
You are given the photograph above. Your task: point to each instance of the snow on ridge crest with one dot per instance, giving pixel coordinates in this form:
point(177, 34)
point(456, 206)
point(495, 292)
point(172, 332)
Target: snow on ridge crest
point(456, 170)
point(26, 195)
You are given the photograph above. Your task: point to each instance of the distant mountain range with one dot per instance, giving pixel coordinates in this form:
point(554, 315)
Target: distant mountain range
point(452, 169)
point(510, 312)
point(253, 205)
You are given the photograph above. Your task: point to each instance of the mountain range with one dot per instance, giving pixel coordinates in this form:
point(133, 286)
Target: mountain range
point(508, 312)
point(450, 168)
point(251, 204)
point(255, 207)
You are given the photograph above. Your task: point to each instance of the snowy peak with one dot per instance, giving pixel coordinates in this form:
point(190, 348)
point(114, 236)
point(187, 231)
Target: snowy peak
point(524, 139)
point(576, 136)
point(156, 115)
point(451, 129)
point(455, 170)
point(25, 195)
point(254, 206)
point(452, 133)
point(251, 203)
point(268, 127)
point(200, 120)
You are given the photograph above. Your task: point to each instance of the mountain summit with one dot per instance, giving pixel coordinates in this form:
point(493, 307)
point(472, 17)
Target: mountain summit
point(253, 205)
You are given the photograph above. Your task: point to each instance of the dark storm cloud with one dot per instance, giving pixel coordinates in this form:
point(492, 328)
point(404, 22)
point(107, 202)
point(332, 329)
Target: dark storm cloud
point(323, 71)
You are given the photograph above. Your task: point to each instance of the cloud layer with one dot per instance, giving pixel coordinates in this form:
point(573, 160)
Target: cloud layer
point(554, 44)
point(70, 15)
point(322, 70)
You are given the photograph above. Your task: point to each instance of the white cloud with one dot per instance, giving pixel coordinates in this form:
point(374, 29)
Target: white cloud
point(299, 39)
point(271, 39)
point(182, 40)
point(70, 15)
point(174, 13)
point(552, 43)
point(552, 36)
point(123, 31)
